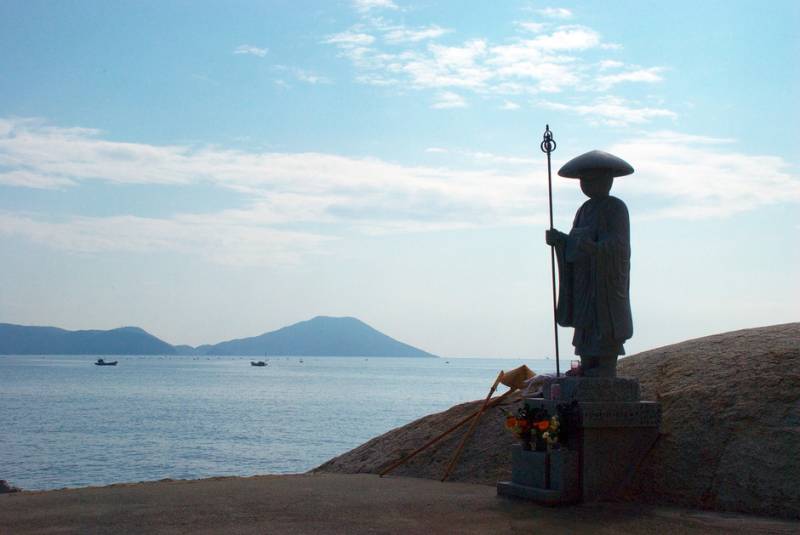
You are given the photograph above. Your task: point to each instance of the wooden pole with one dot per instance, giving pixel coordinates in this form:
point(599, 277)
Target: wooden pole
point(434, 440)
point(475, 419)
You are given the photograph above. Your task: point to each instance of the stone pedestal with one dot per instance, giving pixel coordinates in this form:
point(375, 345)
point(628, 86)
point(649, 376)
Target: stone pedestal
point(608, 430)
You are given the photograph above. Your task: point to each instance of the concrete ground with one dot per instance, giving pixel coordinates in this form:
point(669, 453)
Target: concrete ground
point(335, 503)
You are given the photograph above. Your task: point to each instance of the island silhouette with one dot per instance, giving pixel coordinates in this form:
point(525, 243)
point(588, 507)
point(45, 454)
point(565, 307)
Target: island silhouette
point(320, 336)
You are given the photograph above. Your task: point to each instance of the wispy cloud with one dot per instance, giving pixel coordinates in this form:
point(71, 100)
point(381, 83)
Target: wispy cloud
point(610, 64)
point(696, 177)
point(227, 237)
point(310, 77)
point(413, 35)
point(251, 50)
point(350, 39)
point(499, 159)
point(544, 58)
point(448, 99)
point(650, 76)
point(302, 75)
point(27, 179)
point(290, 196)
point(485, 158)
point(550, 61)
point(364, 6)
point(555, 12)
point(534, 27)
point(447, 66)
point(612, 111)
point(287, 192)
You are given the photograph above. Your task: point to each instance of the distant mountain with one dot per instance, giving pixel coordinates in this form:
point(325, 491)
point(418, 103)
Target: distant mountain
point(320, 336)
point(25, 340)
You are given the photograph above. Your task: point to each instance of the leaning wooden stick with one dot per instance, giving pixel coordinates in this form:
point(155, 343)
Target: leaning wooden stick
point(477, 417)
point(436, 439)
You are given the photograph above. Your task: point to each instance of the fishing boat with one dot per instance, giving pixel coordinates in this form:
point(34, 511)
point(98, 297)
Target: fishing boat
point(258, 363)
point(101, 362)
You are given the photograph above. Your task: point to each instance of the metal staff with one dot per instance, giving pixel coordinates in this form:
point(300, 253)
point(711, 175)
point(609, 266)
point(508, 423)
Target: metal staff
point(548, 145)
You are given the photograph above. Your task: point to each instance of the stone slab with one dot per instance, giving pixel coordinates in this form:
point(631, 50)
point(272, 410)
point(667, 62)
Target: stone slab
point(529, 468)
point(619, 414)
point(594, 389)
point(555, 470)
point(564, 473)
point(542, 496)
point(610, 457)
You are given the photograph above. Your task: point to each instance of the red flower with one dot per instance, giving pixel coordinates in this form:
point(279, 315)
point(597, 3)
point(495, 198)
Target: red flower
point(542, 425)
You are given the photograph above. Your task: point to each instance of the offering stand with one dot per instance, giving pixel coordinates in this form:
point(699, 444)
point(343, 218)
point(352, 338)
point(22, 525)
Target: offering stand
point(606, 431)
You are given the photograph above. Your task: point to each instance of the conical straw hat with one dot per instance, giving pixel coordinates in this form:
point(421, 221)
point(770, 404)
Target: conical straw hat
point(595, 163)
point(516, 378)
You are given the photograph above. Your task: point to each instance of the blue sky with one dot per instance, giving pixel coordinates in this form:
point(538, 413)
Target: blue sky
point(216, 170)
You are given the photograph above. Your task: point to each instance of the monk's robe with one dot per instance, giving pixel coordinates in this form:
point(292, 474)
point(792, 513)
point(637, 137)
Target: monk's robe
point(594, 278)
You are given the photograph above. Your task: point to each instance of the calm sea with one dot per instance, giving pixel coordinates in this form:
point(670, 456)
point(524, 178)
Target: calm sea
point(67, 423)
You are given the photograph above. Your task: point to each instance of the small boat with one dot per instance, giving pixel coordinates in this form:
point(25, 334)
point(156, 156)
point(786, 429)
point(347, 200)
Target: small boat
point(101, 362)
point(258, 363)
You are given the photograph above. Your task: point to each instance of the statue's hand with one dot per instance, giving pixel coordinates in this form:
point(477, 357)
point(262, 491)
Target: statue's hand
point(554, 237)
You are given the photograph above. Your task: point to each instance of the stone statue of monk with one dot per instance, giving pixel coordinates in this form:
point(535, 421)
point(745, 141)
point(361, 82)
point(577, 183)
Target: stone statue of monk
point(594, 266)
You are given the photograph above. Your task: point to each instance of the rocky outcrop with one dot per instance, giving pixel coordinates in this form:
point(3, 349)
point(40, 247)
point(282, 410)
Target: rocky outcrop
point(730, 432)
point(731, 421)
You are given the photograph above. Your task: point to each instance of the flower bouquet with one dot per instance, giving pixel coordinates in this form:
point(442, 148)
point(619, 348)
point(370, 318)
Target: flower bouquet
point(534, 426)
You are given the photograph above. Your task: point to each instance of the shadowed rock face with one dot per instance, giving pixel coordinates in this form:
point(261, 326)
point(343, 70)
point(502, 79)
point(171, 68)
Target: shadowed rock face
point(730, 428)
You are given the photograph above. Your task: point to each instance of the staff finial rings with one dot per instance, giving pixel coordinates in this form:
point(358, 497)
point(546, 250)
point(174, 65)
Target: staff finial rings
point(548, 144)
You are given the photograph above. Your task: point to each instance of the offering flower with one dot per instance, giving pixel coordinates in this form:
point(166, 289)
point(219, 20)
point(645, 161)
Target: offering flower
point(534, 423)
point(543, 425)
